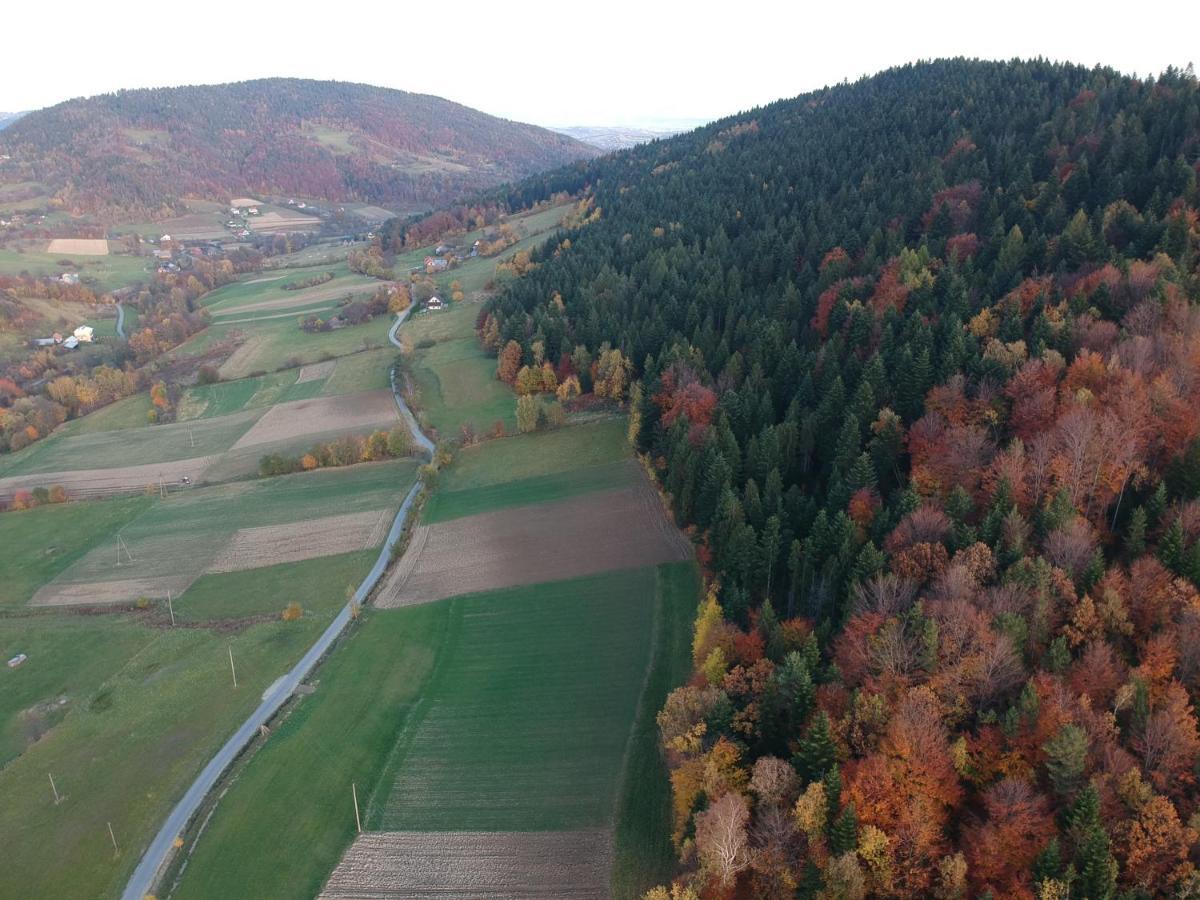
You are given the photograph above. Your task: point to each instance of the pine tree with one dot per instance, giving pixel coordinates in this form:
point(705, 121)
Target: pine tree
point(1135, 534)
point(1171, 547)
point(1097, 870)
point(843, 836)
point(817, 752)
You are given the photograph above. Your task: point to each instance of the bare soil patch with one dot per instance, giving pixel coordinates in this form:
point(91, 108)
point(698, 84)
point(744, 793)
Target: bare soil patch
point(474, 865)
point(78, 247)
point(99, 482)
point(108, 593)
point(585, 535)
point(298, 418)
point(316, 371)
point(268, 545)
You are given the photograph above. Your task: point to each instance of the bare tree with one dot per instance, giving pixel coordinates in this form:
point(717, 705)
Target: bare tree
point(721, 837)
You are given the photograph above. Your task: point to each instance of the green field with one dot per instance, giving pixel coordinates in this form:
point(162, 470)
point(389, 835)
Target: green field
point(180, 534)
point(128, 743)
point(86, 449)
point(533, 455)
point(283, 826)
point(456, 385)
point(318, 585)
point(105, 273)
point(510, 709)
point(524, 723)
point(40, 543)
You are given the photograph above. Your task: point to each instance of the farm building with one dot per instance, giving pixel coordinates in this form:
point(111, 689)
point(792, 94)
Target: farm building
point(71, 343)
point(69, 278)
point(17, 660)
point(435, 303)
point(84, 334)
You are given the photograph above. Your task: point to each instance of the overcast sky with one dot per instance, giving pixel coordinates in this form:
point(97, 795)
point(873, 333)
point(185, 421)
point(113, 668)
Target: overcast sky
point(611, 62)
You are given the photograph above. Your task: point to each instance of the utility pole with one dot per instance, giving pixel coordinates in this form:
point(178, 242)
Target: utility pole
point(171, 607)
point(113, 837)
point(357, 820)
point(232, 670)
point(57, 799)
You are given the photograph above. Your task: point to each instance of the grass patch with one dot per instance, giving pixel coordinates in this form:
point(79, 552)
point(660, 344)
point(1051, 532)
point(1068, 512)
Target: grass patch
point(318, 585)
point(538, 489)
point(106, 273)
point(225, 397)
point(125, 753)
point(124, 414)
point(537, 455)
point(523, 725)
point(457, 385)
point(644, 855)
point(367, 371)
point(285, 822)
point(68, 657)
point(40, 543)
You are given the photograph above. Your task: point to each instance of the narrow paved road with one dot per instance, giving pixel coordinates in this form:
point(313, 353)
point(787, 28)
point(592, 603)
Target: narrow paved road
point(120, 320)
point(160, 849)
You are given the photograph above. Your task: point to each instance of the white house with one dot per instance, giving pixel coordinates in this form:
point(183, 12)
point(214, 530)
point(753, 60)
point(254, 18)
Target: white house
point(434, 303)
point(17, 660)
point(69, 278)
point(84, 334)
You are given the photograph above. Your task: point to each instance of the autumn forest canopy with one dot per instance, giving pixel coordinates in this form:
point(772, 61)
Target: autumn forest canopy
point(918, 361)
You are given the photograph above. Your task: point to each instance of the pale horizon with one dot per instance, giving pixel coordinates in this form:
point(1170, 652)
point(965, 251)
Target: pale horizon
point(617, 71)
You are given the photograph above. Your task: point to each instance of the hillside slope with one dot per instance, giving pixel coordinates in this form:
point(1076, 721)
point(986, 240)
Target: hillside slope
point(917, 357)
point(141, 151)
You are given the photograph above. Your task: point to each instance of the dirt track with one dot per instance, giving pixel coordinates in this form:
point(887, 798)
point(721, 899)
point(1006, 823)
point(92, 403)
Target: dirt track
point(270, 545)
point(98, 482)
point(315, 371)
point(355, 412)
point(585, 535)
point(474, 866)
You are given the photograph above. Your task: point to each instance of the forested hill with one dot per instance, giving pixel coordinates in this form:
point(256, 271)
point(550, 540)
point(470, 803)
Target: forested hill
point(140, 151)
point(919, 359)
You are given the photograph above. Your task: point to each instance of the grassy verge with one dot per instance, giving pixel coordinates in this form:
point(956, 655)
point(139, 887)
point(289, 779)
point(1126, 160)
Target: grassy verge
point(644, 855)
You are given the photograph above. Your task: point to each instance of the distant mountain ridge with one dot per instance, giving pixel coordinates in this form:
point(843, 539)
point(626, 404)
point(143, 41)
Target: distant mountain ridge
point(614, 137)
point(142, 151)
point(7, 118)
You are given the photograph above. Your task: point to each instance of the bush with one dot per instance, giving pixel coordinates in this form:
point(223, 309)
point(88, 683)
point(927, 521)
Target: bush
point(208, 375)
point(291, 612)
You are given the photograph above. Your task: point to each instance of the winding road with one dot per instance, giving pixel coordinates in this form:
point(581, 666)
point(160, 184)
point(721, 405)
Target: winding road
point(160, 850)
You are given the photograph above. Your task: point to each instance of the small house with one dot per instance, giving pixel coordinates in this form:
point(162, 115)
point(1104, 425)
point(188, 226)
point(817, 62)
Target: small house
point(69, 278)
point(17, 660)
point(71, 343)
point(434, 304)
point(165, 239)
point(84, 333)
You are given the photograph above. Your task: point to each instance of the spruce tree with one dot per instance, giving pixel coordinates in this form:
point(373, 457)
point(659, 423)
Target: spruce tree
point(817, 752)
